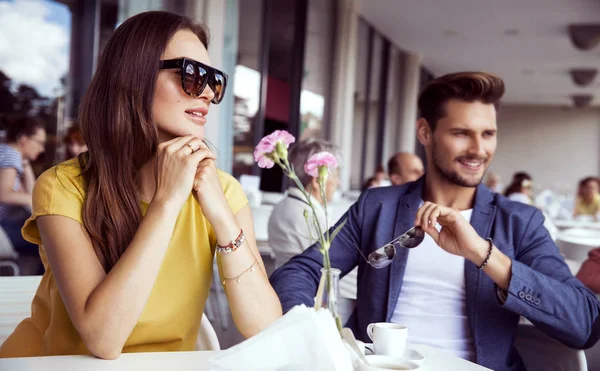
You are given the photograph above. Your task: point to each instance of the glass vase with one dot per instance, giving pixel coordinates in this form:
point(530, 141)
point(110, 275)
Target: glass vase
point(328, 293)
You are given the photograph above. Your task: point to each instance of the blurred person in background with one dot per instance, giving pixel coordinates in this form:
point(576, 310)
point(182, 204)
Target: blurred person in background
point(589, 273)
point(25, 141)
point(369, 183)
point(74, 143)
point(381, 177)
point(492, 181)
point(130, 230)
point(520, 188)
point(588, 198)
point(404, 167)
point(288, 232)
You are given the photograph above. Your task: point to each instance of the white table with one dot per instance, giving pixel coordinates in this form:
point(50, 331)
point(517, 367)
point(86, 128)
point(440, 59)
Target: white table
point(565, 224)
point(435, 360)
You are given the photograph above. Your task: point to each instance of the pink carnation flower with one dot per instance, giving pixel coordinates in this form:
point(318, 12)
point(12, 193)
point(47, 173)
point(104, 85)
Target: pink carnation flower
point(319, 160)
point(266, 146)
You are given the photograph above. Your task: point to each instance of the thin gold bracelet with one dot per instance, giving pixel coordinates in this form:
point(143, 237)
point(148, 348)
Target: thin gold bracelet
point(237, 278)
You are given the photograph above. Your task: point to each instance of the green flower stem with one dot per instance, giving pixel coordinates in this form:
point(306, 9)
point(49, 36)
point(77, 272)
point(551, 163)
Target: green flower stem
point(323, 238)
point(284, 164)
point(322, 186)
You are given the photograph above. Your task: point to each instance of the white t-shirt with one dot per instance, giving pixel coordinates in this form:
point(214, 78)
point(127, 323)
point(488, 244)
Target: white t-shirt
point(432, 302)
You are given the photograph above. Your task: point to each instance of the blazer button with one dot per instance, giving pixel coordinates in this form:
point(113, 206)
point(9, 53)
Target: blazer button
point(537, 302)
point(521, 294)
point(528, 297)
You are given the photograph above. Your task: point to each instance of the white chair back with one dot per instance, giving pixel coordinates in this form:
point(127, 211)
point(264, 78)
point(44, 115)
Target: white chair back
point(207, 337)
point(7, 250)
point(541, 352)
point(17, 294)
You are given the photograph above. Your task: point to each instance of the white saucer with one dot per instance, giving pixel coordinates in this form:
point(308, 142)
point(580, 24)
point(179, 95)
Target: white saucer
point(409, 354)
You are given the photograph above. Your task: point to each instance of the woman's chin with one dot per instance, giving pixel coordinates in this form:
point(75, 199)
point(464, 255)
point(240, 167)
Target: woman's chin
point(164, 136)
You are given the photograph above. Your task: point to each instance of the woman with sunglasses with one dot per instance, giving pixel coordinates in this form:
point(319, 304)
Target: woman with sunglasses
point(128, 232)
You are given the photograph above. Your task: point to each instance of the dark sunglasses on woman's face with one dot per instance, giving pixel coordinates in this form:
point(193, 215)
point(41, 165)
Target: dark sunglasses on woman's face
point(195, 76)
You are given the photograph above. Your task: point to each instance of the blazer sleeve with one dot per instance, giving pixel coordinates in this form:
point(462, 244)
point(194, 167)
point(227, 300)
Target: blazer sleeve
point(296, 282)
point(543, 290)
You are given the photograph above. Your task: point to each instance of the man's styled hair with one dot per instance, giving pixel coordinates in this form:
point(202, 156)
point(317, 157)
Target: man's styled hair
point(465, 86)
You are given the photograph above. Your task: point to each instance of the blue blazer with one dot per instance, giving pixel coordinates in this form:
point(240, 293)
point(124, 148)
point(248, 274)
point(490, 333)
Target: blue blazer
point(542, 289)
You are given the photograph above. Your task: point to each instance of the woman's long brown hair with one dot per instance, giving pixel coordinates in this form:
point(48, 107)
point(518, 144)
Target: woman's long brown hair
point(116, 122)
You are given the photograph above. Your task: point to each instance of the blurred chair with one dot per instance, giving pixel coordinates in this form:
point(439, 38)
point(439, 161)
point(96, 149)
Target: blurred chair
point(207, 337)
point(592, 356)
point(17, 294)
point(260, 216)
point(8, 255)
point(541, 352)
point(217, 292)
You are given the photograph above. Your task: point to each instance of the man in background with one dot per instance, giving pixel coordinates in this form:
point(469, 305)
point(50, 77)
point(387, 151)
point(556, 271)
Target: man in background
point(405, 167)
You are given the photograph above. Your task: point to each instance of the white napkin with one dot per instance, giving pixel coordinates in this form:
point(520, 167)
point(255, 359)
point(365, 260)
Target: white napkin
point(303, 339)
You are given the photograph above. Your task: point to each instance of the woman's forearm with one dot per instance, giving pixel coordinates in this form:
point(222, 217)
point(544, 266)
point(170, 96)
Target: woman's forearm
point(253, 302)
point(114, 307)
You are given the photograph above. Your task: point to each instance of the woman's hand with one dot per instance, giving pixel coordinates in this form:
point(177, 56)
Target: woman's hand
point(178, 160)
point(208, 191)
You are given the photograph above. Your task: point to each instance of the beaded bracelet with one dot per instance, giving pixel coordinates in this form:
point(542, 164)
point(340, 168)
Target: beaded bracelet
point(487, 258)
point(233, 245)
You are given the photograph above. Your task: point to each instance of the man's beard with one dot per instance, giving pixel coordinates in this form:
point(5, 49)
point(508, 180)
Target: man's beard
point(452, 175)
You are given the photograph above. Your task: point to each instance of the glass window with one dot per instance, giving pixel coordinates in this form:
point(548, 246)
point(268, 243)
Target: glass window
point(393, 102)
point(246, 85)
point(317, 68)
point(34, 66)
point(359, 103)
point(374, 102)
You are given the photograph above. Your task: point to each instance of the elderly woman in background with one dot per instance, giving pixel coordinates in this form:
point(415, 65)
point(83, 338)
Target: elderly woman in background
point(288, 233)
point(588, 198)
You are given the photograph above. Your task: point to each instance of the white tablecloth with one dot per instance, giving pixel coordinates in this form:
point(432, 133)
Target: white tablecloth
point(435, 360)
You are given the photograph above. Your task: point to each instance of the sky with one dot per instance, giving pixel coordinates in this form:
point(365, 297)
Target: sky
point(34, 43)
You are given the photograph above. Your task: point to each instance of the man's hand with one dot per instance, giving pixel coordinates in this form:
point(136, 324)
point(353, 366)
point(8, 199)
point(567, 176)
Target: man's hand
point(457, 236)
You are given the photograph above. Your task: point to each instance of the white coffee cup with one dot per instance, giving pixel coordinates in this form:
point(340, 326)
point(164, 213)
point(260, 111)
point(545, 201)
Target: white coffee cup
point(388, 338)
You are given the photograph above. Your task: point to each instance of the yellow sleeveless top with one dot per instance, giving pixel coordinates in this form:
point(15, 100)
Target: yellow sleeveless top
point(584, 208)
point(171, 317)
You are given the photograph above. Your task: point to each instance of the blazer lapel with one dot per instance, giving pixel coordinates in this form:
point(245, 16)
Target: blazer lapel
point(482, 220)
point(408, 206)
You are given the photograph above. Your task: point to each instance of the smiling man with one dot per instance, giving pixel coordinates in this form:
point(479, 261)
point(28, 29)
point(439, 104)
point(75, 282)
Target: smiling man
point(485, 261)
